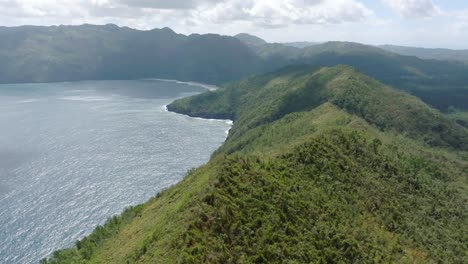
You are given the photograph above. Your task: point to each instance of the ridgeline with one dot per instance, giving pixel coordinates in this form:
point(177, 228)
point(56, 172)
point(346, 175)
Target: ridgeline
point(108, 52)
point(322, 165)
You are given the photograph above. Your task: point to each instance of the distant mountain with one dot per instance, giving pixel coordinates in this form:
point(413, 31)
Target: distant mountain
point(301, 44)
point(277, 54)
point(250, 40)
point(440, 83)
point(67, 53)
point(425, 53)
point(255, 41)
point(71, 53)
point(322, 165)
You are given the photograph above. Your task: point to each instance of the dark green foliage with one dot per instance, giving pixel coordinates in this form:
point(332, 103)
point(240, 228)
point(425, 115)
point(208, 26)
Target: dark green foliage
point(68, 53)
point(444, 98)
point(255, 102)
point(321, 166)
point(88, 52)
point(436, 82)
point(339, 198)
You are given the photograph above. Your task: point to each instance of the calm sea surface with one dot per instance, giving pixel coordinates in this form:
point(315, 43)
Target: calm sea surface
point(74, 154)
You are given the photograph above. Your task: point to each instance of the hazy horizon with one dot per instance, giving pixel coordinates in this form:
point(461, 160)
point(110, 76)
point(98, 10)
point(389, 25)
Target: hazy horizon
point(297, 41)
point(413, 23)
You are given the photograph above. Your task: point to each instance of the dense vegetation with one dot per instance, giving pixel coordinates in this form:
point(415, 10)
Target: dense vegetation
point(300, 91)
point(441, 84)
point(70, 53)
point(67, 53)
point(321, 166)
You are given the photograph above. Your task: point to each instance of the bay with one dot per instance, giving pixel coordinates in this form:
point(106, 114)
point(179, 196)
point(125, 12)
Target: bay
point(74, 154)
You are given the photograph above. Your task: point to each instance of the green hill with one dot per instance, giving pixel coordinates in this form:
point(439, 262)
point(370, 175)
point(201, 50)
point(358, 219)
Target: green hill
point(69, 53)
point(90, 52)
point(321, 166)
point(379, 105)
point(441, 84)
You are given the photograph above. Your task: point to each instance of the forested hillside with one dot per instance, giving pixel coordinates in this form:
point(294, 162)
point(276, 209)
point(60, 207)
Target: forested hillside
point(71, 53)
point(68, 53)
point(323, 165)
point(441, 84)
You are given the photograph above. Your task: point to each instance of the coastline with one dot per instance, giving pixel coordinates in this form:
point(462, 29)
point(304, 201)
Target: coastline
point(137, 207)
point(227, 121)
point(209, 87)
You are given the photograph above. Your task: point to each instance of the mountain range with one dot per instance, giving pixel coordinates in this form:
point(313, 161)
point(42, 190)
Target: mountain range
point(439, 83)
point(340, 152)
point(322, 165)
point(70, 53)
point(89, 52)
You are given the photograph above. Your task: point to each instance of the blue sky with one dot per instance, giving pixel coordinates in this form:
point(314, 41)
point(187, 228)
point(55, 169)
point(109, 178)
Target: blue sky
point(422, 23)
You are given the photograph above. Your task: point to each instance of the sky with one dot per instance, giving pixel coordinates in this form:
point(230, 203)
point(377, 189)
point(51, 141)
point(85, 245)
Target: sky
point(421, 23)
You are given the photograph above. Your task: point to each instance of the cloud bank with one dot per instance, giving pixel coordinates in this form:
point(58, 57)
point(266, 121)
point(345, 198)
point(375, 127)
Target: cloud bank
point(409, 22)
point(261, 13)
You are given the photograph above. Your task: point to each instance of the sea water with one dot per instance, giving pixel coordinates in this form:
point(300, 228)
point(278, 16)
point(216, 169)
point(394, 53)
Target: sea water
point(74, 154)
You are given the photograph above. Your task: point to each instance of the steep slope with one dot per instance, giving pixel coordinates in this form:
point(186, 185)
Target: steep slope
point(67, 53)
point(310, 173)
point(439, 83)
point(70, 53)
point(386, 108)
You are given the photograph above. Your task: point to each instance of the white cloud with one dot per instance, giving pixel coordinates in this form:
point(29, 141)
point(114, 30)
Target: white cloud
point(413, 8)
point(167, 4)
point(269, 13)
point(261, 13)
point(275, 20)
